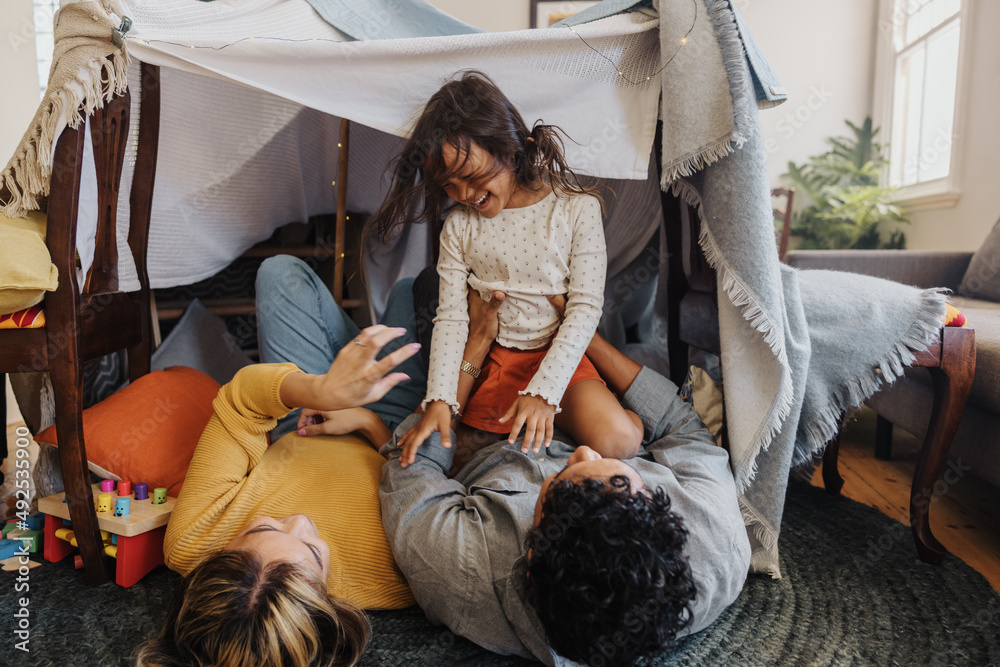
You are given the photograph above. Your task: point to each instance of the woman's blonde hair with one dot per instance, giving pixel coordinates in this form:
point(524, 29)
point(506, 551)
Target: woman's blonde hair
point(236, 609)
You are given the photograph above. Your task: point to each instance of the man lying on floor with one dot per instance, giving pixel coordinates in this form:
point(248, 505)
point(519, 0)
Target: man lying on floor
point(561, 554)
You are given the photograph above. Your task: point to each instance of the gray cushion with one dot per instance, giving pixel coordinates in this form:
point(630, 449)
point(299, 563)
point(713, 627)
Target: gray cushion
point(982, 278)
point(200, 340)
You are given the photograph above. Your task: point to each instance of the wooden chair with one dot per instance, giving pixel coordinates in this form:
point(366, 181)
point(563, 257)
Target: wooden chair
point(785, 215)
point(99, 319)
point(692, 314)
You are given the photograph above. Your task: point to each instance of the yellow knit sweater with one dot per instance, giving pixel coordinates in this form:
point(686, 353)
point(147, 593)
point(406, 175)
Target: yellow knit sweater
point(235, 477)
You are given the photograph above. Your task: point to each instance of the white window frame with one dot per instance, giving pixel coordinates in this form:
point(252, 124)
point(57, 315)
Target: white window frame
point(941, 192)
point(43, 10)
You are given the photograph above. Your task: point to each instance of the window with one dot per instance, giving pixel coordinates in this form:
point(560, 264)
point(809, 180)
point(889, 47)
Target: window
point(44, 12)
point(918, 96)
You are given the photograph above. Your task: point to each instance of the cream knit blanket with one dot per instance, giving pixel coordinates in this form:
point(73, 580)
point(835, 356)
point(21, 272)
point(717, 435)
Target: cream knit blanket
point(87, 70)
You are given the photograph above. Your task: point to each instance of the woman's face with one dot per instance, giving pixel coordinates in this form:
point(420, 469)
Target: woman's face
point(293, 539)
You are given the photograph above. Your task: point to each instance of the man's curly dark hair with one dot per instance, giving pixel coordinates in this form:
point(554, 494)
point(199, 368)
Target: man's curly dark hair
point(606, 571)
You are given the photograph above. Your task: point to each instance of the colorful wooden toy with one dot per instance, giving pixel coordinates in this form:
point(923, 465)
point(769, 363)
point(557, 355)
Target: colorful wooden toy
point(123, 506)
point(9, 548)
point(107, 485)
point(124, 488)
point(104, 502)
point(33, 539)
point(159, 495)
point(14, 533)
point(141, 491)
point(34, 522)
point(136, 539)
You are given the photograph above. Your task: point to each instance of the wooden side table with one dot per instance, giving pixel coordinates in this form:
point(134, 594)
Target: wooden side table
point(952, 363)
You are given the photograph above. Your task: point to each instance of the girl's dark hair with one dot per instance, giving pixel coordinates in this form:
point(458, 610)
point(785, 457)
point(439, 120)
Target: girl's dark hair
point(468, 109)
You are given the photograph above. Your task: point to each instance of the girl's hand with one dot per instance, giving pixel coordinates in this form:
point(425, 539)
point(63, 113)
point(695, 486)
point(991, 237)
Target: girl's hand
point(356, 378)
point(537, 416)
point(436, 418)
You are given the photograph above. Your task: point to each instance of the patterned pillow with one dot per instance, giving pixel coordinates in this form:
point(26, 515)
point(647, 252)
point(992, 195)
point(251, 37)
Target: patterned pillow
point(29, 318)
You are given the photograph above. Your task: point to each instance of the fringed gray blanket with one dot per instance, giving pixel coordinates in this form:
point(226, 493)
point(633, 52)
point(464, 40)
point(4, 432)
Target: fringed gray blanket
point(798, 347)
point(87, 70)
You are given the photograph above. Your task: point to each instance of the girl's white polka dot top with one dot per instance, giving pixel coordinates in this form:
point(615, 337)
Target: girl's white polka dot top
point(555, 246)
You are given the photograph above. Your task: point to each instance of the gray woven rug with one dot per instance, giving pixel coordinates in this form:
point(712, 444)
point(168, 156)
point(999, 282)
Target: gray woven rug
point(853, 593)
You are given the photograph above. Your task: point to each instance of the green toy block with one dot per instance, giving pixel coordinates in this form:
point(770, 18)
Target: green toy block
point(33, 538)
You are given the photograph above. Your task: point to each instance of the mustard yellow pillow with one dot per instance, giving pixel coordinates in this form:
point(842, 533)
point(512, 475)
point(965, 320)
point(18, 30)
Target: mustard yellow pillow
point(26, 269)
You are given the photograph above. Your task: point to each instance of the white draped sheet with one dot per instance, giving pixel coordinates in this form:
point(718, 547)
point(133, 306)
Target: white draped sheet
point(253, 93)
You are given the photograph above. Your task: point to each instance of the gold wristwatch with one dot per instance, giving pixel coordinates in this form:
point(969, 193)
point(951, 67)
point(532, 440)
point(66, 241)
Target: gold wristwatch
point(470, 369)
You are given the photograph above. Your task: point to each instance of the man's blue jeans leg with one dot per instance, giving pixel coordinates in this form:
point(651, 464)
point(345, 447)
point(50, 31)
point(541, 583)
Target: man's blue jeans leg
point(298, 321)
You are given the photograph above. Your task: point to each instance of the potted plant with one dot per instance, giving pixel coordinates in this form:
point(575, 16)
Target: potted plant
point(845, 205)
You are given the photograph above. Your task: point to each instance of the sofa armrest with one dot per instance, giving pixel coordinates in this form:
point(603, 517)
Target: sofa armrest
point(920, 268)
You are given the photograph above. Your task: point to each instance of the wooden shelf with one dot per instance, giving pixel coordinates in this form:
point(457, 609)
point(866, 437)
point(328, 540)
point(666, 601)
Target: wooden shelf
point(172, 310)
point(303, 251)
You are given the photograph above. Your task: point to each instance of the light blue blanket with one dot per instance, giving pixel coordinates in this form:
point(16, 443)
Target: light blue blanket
point(389, 19)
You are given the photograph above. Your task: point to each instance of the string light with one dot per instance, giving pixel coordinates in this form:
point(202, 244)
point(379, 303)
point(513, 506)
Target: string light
point(621, 74)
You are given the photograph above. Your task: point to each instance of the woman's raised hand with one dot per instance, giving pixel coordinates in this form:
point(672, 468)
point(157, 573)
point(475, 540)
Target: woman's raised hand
point(355, 377)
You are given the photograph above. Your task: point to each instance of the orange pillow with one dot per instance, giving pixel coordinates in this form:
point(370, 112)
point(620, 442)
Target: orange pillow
point(147, 432)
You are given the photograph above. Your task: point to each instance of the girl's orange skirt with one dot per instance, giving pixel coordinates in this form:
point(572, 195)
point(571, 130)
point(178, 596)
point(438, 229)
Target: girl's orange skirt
point(506, 372)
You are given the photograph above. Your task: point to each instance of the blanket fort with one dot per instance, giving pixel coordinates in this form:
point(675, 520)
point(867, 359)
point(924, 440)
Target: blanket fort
point(252, 96)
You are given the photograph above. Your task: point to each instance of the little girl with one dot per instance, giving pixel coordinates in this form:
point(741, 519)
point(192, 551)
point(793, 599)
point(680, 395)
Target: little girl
point(521, 225)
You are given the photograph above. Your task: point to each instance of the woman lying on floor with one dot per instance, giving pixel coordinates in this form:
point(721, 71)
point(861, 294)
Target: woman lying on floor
point(290, 590)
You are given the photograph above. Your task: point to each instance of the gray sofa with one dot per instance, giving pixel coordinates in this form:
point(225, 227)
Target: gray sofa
point(975, 280)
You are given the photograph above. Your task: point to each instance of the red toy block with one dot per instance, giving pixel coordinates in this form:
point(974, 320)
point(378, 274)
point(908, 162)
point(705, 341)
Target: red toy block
point(138, 554)
point(53, 548)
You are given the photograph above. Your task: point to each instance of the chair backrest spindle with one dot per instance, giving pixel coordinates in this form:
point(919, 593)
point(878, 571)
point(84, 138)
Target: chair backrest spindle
point(109, 134)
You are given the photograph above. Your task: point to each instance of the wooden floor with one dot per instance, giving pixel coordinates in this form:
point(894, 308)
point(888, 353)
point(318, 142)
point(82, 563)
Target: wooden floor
point(966, 519)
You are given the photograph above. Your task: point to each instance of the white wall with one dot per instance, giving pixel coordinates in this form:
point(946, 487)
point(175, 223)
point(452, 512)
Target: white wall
point(823, 53)
point(18, 74)
point(19, 83)
point(489, 15)
point(965, 225)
